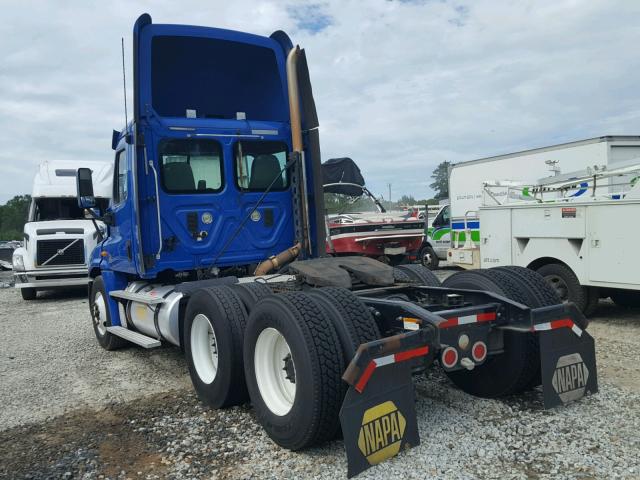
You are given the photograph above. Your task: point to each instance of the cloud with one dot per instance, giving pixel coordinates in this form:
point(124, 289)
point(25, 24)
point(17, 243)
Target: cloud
point(400, 86)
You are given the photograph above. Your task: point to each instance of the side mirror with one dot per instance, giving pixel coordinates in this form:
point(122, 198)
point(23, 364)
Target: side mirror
point(84, 185)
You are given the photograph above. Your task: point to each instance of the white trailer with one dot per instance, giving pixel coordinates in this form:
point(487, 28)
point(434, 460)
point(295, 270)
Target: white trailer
point(466, 179)
point(57, 237)
point(579, 243)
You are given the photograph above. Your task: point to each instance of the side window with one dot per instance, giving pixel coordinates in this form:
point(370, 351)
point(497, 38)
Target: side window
point(191, 166)
point(443, 217)
point(259, 165)
point(446, 216)
point(120, 186)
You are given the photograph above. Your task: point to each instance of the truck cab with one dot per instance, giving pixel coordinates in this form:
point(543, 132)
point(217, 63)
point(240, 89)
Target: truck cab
point(208, 182)
point(437, 239)
point(58, 236)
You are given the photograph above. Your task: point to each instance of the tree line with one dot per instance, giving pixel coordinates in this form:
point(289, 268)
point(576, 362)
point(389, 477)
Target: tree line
point(13, 216)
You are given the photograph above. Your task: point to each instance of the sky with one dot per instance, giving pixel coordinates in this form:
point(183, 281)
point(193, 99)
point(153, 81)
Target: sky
point(400, 86)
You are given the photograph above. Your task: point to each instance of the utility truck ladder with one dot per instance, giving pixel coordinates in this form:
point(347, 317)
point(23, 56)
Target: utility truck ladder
point(597, 183)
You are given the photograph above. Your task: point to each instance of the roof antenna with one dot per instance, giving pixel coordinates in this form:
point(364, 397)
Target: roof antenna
point(124, 87)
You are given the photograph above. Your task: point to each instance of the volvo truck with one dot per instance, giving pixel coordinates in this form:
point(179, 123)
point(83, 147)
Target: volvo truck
point(58, 235)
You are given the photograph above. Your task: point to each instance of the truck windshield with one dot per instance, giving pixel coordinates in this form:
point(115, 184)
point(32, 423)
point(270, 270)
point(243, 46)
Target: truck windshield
point(59, 209)
point(260, 165)
point(338, 203)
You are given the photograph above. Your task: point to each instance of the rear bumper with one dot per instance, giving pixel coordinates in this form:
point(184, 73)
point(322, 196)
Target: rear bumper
point(51, 278)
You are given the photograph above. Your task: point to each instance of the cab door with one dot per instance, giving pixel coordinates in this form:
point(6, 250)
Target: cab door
point(441, 232)
point(118, 245)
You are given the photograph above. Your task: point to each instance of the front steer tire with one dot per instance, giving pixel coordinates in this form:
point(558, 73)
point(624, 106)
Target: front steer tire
point(213, 333)
point(568, 287)
point(101, 317)
point(428, 258)
point(310, 415)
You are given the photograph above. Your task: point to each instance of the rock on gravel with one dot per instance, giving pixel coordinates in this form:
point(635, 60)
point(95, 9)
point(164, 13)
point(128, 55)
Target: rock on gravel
point(140, 419)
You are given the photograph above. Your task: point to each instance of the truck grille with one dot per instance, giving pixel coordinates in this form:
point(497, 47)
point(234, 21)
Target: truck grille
point(74, 255)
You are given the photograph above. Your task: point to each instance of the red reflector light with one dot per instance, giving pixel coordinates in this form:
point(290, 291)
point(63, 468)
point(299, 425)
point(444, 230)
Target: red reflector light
point(449, 357)
point(479, 351)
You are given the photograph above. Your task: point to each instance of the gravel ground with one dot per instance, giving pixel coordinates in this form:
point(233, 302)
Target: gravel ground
point(73, 410)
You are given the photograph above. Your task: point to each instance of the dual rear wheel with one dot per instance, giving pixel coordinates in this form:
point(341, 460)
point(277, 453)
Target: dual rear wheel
point(517, 367)
point(287, 356)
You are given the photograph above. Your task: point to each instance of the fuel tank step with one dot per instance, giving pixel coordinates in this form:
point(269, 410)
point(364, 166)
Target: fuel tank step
point(137, 297)
point(134, 337)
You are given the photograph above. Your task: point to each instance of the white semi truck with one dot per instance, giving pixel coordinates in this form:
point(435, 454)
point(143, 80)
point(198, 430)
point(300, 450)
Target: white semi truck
point(57, 237)
point(573, 229)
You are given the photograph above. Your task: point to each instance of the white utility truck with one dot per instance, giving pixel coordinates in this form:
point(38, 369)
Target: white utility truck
point(466, 179)
point(57, 237)
point(573, 229)
point(437, 236)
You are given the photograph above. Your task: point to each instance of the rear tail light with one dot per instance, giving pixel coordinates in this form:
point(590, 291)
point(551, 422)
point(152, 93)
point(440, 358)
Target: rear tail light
point(449, 357)
point(479, 351)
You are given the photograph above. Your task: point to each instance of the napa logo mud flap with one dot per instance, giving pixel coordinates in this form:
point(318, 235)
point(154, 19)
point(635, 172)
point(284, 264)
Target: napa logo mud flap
point(381, 421)
point(568, 366)
point(381, 432)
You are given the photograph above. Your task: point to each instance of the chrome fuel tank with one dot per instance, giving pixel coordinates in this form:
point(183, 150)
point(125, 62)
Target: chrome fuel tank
point(158, 320)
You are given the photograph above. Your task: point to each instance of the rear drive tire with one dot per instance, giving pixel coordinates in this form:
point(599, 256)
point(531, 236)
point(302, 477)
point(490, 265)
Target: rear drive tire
point(400, 276)
point(251, 292)
point(352, 320)
point(293, 364)
point(428, 258)
point(538, 293)
point(214, 325)
point(29, 293)
point(511, 371)
point(568, 288)
point(626, 298)
point(101, 318)
point(419, 274)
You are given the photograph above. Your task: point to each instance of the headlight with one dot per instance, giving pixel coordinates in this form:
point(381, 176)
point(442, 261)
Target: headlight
point(18, 263)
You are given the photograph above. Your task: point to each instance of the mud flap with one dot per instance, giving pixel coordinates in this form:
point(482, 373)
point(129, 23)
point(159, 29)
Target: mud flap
point(378, 415)
point(380, 424)
point(568, 363)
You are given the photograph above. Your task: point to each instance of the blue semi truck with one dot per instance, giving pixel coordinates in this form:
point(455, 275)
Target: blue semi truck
point(215, 243)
